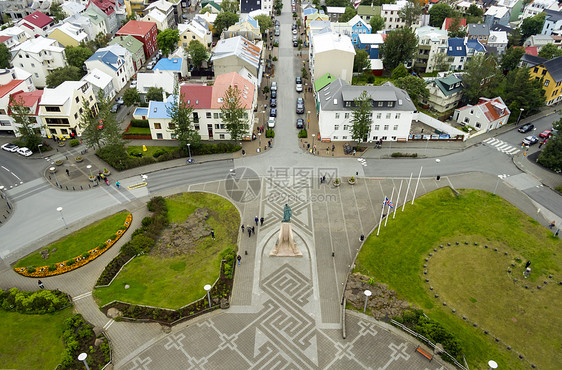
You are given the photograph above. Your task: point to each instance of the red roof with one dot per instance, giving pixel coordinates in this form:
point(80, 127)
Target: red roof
point(448, 22)
point(106, 6)
point(532, 50)
point(30, 99)
point(197, 96)
point(9, 87)
point(38, 19)
point(491, 108)
point(138, 28)
point(4, 38)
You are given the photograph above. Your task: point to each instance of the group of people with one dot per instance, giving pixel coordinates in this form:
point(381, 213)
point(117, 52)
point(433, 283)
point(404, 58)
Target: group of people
point(252, 229)
point(100, 176)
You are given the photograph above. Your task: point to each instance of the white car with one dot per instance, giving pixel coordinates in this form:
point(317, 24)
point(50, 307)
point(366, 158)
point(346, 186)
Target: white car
point(274, 86)
point(133, 84)
point(294, 31)
point(271, 122)
point(9, 147)
point(150, 65)
point(25, 152)
point(299, 87)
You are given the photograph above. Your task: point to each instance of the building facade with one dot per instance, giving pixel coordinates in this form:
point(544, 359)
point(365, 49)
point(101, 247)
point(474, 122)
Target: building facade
point(145, 32)
point(550, 74)
point(331, 53)
point(488, 114)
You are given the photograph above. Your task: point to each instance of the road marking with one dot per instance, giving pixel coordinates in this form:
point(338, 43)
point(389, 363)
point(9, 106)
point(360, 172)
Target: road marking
point(136, 186)
point(108, 324)
point(501, 146)
point(87, 294)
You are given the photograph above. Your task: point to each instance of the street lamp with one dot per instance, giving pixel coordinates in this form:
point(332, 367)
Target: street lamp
point(313, 135)
point(518, 118)
point(437, 161)
point(82, 357)
point(208, 288)
point(367, 295)
point(259, 146)
point(497, 183)
point(53, 170)
point(492, 364)
point(39, 147)
point(59, 209)
point(307, 120)
point(189, 151)
point(90, 168)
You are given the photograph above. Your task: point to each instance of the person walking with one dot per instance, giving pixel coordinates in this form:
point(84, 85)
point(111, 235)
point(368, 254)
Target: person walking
point(213, 234)
point(242, 227)
point(106, 181)
point(40, 283)
point(68, 172)
point(261, 221)
point(249, 232)
point(256, 219)
point(239, 258)
point(253, 229)
point(118, 185)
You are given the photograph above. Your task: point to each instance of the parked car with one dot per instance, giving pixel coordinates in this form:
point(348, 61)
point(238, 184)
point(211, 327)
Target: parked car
point(295, 44)
point(119, 100)
point(114, 108)
point(273, 112)
point(276, 32)
point(271, 122)
point(300, 123)
point(299, 87)
point(150, 65)
point(273, 87)
point(298, 80)
point(273, 94)
point(295, 31)
point(25, 152)
point(545, 134)
point(273, 103)
point(530, 140)
point(295, 38)
point(9, 147)
point(300, 106)
point(526, 128)
point(133, 84)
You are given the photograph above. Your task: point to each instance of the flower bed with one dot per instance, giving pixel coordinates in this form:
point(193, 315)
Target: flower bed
point(76, 262)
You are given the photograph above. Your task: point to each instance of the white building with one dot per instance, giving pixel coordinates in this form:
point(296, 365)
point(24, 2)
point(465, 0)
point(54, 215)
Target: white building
point(391, 15)
point(498, 39)
point(70, 8)
point(392, 112)
point(331, 53)
point(10, 84)
point(487, 115)
point(431, 42)
point(114, 60)
point(538, 6)
point(39, 56)
point(13, 36)
point(100, 81)
point(166, 18)
point(159, 79)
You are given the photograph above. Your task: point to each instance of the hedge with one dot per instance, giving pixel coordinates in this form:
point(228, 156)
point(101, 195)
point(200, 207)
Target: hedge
point(38, 302)
point(78, 336)
point(140, 123)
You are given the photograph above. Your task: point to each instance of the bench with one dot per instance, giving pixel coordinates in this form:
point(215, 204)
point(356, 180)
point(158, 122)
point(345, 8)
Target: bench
point(424, 353)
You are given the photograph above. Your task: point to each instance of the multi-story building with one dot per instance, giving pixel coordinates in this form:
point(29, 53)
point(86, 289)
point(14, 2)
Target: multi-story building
point(488, 114)
point(391, 15)
point(98, 20)
point(71, 8)
point(498, 40)
point(9, 85)
point(550, 74)
point(60, 108)
point(352, 28)
point(331, 53)
point(101, 81)
point(372, 44)
point(247, 6)
point(497, 14)
point(166, 18)
point(13, 36)
point(115, 61)
point(30, 100)
point(538, 6)
point(134, 47)
point(235, 53)
point(552, 22)
point(195, 30)
point(460, 50)
point(145, 32)
point(431, 42)
point(68, 34)
point(366, 12)
point(246, 27)
point(445, 93)
point(16, 9)
point(79, 20)
point(36, 24)
point(479, 32)
point(111, 9)
point(39, 56)
point(392, 112)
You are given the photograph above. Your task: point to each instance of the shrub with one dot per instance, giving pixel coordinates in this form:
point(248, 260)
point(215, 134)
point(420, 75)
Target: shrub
point(370, 79)
point(303, 134)
point(30, 269)
point(146, 221)
point(270, 133)
point(70, 262)
point(409, 155)
point(74, 142)
point(37, 302)
point(53, 267)
point(140, 123)
point(86, 255)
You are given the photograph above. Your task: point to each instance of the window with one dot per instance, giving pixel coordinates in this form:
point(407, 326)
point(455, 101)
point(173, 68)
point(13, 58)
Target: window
point(215, 115)
point(223, 126)
point(380, 104)
point(52, 109)
point(346, 116)
point(32, 65)
point(91, 98)
point(344, 137)
point(80, 110)
point(377, 127)
point(75, 115)
point(221, 136)
point(395, 127)
point(77, 100)
point(159, 135)
point(388, 115)
point(336, 127)
point(217, 126)
point(546, 82)
point(397, 116)
point(36, 74)
point(157, 126)
point(337, 116)
point(345, 127)
point(385, 127)
point(379, 115)
point(196, 127)
point(245, 115)
point(472, 111)
point(335, 138)
point(171, 126)
point(208, 114)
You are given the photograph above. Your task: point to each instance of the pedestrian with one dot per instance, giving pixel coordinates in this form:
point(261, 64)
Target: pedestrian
point(106, 181)
point(540, 144)
point(256, 219)
point(324, 179)
point(243, 152)
point(269, 143)
point(40, 283)
point(327, 150)
point(333, 147)
point(242, 227)
point(354, 151)
point(249, 232)
point(239, 258)
point(552, 224)
point(118, 185)
point(253, 229)
point(213, 234)
point(99, 177)
point(68, 172)
point(362, 237)
point(261, 221)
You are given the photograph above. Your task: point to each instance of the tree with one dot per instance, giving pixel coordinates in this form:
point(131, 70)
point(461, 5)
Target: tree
point(532, 25)
point(155, 94)
point(223, 21)
point(415, 87)
point(5, 56)
point(24, 124)
point(361, 117)
point(56, 12)
point(515, 38)
point(197, 53)
point(229, 6)
point(475, 11)
point(377, 23)
point(438, 13)
point(180, 114)
point(88, 123)
point(168, 40)
point(511, 58)
point(399, 47)
point(233, 113)
point(551, 156)
point(304, 73)
point(482, 78)
point(456, 29)
point(410, 12)
point(77, 55)
point(111, 131)
point(349, 13)
point(100, 41)
point(441, 62)
point(61, 74)
point(399, 72)
point(339, 3)
point(523, 92)
point(265, 22)
point(361, 60)
point(550, 51)
point(131, 97)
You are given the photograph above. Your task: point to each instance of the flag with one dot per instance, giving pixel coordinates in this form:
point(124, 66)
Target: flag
point(388, 203)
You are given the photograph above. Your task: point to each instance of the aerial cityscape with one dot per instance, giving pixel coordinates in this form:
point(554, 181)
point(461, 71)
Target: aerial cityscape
point(280, 184)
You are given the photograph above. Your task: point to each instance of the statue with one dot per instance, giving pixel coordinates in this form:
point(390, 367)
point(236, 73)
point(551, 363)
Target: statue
point(287, 213)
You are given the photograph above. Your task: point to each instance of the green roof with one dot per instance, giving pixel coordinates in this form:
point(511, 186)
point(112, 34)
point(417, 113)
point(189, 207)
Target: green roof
point(128, 42)
point(446, 84)
point(211, 3)
point(368, 10)
point(323, 81)
point(95, 15)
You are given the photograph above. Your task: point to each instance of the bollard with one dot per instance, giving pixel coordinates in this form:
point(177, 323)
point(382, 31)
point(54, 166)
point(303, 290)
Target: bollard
point(81, 187)
point(65, 187)
point(73, 188)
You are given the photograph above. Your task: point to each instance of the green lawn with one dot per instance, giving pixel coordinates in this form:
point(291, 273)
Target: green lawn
point(31, 341)
point(150, 149)
point(138, 130)
point(76, 243)
point(475, 216)
point(177, 281)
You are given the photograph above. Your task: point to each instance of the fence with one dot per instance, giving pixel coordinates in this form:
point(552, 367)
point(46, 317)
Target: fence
point(451, 132)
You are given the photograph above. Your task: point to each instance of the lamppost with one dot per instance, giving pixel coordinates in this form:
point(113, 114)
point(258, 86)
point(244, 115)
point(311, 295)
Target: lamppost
point(259, 137)
point(208, 288)
point(59, 209)
point(82, 357)
point(90, 168)
point(518, 118)
point(307, 120)
point(437, 161)
point(492, 364)
point(189, 151)
point(313, 135)
point(53, 170)
point(39, 147)
point(367, 295)
point(497, 183)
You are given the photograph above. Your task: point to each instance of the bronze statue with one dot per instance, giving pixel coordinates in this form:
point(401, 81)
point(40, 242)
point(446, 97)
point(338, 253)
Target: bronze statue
point(287, 213)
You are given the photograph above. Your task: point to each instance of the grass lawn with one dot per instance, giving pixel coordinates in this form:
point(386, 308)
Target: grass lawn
point(76, 243)
point(138, 130)
point(150, 149)
point(31, 341)
point(176, 281)
point(472, 279)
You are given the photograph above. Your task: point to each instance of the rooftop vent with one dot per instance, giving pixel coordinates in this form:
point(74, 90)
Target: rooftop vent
point(335, 101)
point(155, 109)
point(400, 102)
point(197, 102)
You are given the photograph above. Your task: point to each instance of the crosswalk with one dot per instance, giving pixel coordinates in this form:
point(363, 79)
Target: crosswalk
point(363, 161)
point(502, 146)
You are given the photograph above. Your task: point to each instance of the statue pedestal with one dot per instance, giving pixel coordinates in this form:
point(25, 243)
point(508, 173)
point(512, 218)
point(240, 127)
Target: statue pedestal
point(285, 246)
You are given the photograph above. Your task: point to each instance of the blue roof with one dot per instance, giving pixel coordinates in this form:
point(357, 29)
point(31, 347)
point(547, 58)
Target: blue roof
point(106, 57)
point(141, 112)
point(159, 109)
point(166, 64)
point(456, 47)
point(251, 20)
point(476, 45)
point(309, 11)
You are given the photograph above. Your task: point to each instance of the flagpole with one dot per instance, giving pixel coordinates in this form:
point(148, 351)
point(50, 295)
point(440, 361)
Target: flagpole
point(417, 183)
point(407, 190)
point(386, 219)
point(397, 199)
point(380, 222)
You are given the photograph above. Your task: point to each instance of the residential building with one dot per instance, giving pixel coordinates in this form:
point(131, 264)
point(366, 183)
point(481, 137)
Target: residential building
point(317, 16)
point(174, 65)
point(110, 8)
point(70, 8)
point(39, 56)
point(539, 41)
point(145, 32)
point(432, 43)
point(165, 8)
point(488, 114)
point(60, 108)
point(198, 30)
point(550, 74)
point(100, 80)
point(98, 20)
point(334, 12)
point(155, 16)
point(391, 15)
point(211, 6)
point(36, 24)
point(68, 34)
point(460, 51)
point(371, 43)
point(552, 22)
point(538, 6)
point(499, 27)
point(447, 22)
point(158, 79)
point(352, 28)
point(498, 40)
point(230, 55)
point(16, 9)
point(30, 100)
point(515, 8)
point(79, 20)
point(136, 7)
point(208, 18)
point(479, 32)
point(13, 36)
point(366, 12)
point(445, 93)
point(247, 27)
point(392, 111)
point(248, 6)
point(497, 14)
point(530, 60)
point(134, 47)
point(10, 84)
point(331, 53)
point(108, 61)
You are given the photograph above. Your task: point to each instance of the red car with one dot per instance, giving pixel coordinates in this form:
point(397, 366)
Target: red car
point(545, 134)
